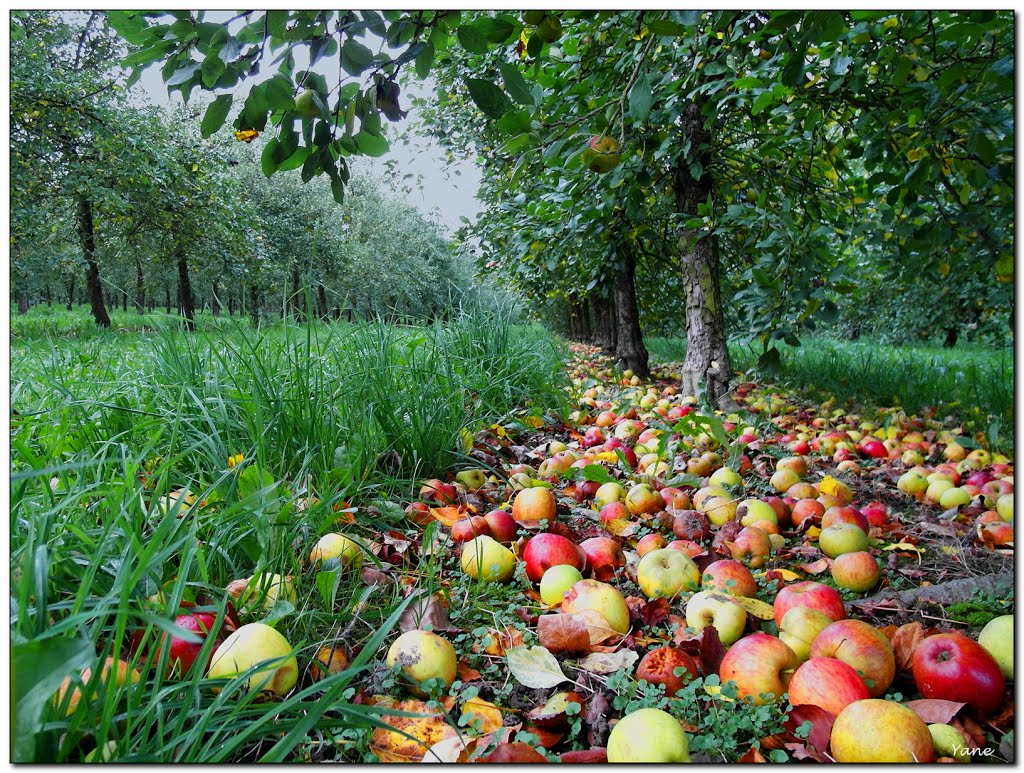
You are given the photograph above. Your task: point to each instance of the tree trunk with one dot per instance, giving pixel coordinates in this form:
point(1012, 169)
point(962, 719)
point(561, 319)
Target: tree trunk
point(167, 298)
point(630, 352)
point(952, 334)
point(87, 234)
point(321, 296)
point(707, 355)
point(297, 304)
point(254, 303)
point(140, 287)
point(604, 322)
point(588, 330)
point(186, 301)
point(215, 302)
point(48, 294)
point(124, 301)
point(23, 302)
point(71, 294)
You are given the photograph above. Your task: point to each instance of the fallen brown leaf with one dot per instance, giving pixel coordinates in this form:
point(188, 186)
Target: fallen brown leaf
point(563, 633)
point(933, 710)
point(514, 753)
point(905, 642)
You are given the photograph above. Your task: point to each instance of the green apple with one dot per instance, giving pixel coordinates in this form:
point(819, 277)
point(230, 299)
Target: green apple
point(556, 581)
point(608, 493)
point(949, 742)
point(271, 588)
point(1004, 506)
point(800, 626)
point(423, 655)
point(842, 538)
point(954, 497)
point(334, 545)
point(487, 560)
point(724, 476)
point(912, 483)
point(997, 638)
point(305, 104)
point(249, 646)
point(665, 573)
point(472, 479)
point(717, 610)
point(648, 735)
point(756, 510)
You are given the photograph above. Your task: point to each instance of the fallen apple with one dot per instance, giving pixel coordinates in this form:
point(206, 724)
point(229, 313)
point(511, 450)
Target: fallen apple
point(595, 596)
point(556, 581)
point(997, 638)
point(760, 665)
point(719, 611)
point(487, 560)
point(876, 730)
point(666, 573)
point(333, 545)
point(256, 644)
point(423, 656)
point(533, 506)
point(659, 667)
point(648, 735)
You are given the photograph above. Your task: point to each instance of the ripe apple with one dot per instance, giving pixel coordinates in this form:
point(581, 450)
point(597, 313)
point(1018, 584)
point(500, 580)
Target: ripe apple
point(649, 542)
point(750, 511)
point(807, 508)
point(845, 514)
point(595, 596)
point(329, 660)
point(802, 490)
point(183, 653)
point(760, 665)
point(270, 587)
point(783, 480)
point(720, 510)
point(487, 560)
point(333, 545)
point(842, 538)
point(809, 594)
point(800, 627)
point(556, 581)
point(861, 646)
point(502, 526)
point(615, 517)
point(120, 669)
point(435, 490)
point(953, 667)
point(686, 546)
point(648, 735)
point(797, 464)
point(675, 499)
point(783, 512)
point(423, 655)
point(828, 683)
point(997, 638)
point(858, 571)
point(751, 547)
point(954, 497)
point(724, 476)
point(1004, 506)
point(665, 573)
point(912, 483)
point(601, 154)
point(604, 557)
point(643, 500)
point(659, 667)
point(472, 479)
point(876, 730)
point(543, 551)
point(729, 576)
point(532, 506)
point(718, 610)
point(594, 436)
point(252, 645)
point(609, 492)
point(936, 489)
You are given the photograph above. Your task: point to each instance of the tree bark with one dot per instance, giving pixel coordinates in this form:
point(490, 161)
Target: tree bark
point(140, 287)
point(186, 301)
point(321, 296)
point(167, 298)
point(952, 334)
point(215, 301)
point(124, 301)
point(71, 294)
point(87, 234)
point(630, 352)
point(297, 304)
point(48, 294)
point(587, 329)
point(254, 303)
point(604, 322)
point(23, 302)
point(707, 354)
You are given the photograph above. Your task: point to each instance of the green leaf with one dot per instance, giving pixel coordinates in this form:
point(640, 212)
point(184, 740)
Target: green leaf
point(38, 667)
point(130, 26)
point(471, 39)
point(515, 83)
point(213, 67)
point(371, 144)
point(594, 473)
point(749, 82)
point(146, 56)
point(491, 100)
point(215, 115)
point(640, 99)
point(183, 74)
point(278, 91)
point(295, 160)
point(495, 29)
point(355, 57)
point(764, 99)
point(327, 583)
point(666, 27)
point(425, 60)
point(338, 190)
point(514, 122)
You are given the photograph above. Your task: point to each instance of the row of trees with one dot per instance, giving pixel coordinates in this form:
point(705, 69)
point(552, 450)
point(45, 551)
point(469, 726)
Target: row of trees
point(780, 170)
point(118, 204)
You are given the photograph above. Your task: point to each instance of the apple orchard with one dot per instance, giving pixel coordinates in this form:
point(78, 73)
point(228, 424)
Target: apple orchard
point(666, 509)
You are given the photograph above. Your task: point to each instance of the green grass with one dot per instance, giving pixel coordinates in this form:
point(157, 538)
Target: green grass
point(974, 385)
point(107, 424)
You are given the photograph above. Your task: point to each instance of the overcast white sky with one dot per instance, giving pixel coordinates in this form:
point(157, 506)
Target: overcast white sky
point(451, 195)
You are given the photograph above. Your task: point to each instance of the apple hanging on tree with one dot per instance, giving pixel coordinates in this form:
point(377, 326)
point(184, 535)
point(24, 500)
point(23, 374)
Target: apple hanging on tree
point(601, 154)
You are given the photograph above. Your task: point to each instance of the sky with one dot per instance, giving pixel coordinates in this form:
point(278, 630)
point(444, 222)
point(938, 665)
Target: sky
point(448, 191)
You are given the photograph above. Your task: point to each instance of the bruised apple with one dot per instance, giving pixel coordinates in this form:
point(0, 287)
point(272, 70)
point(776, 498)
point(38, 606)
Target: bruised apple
point(423, 655)
point(659, 667)
point(595, 596)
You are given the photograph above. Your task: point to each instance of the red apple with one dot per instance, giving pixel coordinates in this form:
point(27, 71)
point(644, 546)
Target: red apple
point(182, 653)
point(953, 667)
point(844, 514)
point(604, 556)
point(546, 550)
point(861, 646)
point(649, 542)
point(828, 683)
point(643, 500)
point(686, 546)
point(874, 449)
point(858, 571)
point(809, 594)
point(585, 489)
point(659, 665)
point(751, 547)
point(691, 525)
point(502, 525)
point(759, 664)
point(435, 490)
point(533, 505)
point(675, 499)
point(730, 577)
point(807, 508)
point(594, 436)
point(783, 512)
point(876, 514)
point(615, 517)
point(467, 529)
